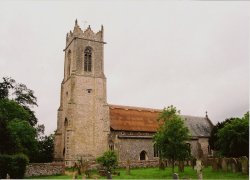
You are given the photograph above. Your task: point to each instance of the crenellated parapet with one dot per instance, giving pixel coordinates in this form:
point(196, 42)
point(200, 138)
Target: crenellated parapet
point(87, 34)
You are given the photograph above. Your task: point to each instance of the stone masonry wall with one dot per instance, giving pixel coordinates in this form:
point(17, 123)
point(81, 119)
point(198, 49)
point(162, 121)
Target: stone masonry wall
point(42, 169)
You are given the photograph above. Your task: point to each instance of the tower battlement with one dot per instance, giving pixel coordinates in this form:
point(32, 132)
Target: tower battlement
point(87, 34)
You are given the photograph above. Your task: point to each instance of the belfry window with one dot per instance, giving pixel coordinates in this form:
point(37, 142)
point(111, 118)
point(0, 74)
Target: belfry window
point(88, 59)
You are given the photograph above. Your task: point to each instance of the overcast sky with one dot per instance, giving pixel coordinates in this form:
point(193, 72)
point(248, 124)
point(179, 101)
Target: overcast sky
point(191, 54)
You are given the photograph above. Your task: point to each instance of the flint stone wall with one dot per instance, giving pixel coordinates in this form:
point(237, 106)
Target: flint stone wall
point(44, 169)
point(139, 164)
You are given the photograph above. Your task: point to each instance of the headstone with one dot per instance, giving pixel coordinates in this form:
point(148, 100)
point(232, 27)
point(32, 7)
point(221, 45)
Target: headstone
point(224, 164)
point(109, 175)
point(239, 164)
point(128, 167)
point(244, 165)
point(74, 175)
point(215, 164)
point(199, 168)
point(205, 161)
point(219, 163)
point(175, 176)
point(234, 165)
point(229, 165)
point(193, 161)
point(181, 166)
point(7, 176)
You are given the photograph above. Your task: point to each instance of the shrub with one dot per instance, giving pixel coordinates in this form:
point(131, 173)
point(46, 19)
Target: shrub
point(4, 165)
point(18, 166)
point(108, 160)
point(14, 165)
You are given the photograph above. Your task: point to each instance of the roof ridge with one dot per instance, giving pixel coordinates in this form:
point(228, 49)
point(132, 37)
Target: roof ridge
point(133, 107)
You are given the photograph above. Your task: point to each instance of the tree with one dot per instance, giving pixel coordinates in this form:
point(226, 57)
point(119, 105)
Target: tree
point(214, 133)
point(108, 160)
point(45, 150)
point(24, 136)
point(172, 136)
point(19, 93)
point(233, 138)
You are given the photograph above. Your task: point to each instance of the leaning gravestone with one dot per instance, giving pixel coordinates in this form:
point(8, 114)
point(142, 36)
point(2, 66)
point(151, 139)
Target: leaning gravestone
point(244, 165)
point(234, 165)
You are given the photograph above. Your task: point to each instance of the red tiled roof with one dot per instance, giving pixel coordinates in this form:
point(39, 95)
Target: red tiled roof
point(127, 118)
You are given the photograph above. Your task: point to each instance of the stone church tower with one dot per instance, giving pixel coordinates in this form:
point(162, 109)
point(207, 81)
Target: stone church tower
point(83, 116)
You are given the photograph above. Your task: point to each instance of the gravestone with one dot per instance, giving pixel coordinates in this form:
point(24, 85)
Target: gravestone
point(219, 163)
point(181, 166)
point(109, 175)
point(239, 164)
point(199, 168)
point(214, 163)
point(205, 161)
point(229, 165)
point(193, 162)
point(234, 165)
point(175, 176)
point(244, 165)
point(128, 167)
point(224, 164)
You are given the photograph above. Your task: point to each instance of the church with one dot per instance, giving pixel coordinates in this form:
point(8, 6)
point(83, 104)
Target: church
point(87, 125)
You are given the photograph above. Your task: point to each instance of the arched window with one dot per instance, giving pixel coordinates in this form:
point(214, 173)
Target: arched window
point(156, 151)
point(143, 155)
point(88, 59)
point(69, 63)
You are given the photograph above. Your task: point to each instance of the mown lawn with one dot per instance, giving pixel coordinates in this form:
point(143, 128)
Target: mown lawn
point(155, 173)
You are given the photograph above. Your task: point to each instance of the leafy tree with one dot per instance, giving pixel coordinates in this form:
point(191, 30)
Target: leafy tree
point(108, 160)
point(24, 136)
point(172, 136)
point(7, 144)
point(45, 150)
point(5, 87)
point(214, 133)
point(10, 110)
point(19, 93)
point(233, 138)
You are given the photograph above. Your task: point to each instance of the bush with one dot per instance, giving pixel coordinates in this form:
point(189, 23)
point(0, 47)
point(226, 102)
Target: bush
point(18, 166)
point(4, 165)
point(14, 165)
point(108, 160)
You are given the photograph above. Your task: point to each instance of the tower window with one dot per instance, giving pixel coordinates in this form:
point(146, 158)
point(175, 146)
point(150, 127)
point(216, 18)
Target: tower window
point(88, 59)
point(66, 122)
point(69, 62)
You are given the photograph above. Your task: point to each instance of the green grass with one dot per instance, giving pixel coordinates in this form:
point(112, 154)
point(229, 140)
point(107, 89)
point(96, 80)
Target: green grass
point(155, 173)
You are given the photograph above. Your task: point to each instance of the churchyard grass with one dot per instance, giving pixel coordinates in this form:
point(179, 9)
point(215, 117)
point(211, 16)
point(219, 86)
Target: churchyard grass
point(155, 173)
